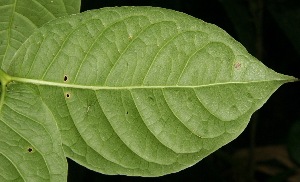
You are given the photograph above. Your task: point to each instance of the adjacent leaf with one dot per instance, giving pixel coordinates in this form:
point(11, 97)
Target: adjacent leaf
point(30, 146)
point(72, 6)
point(19, 18)
point(140, 91)
point(30, 141)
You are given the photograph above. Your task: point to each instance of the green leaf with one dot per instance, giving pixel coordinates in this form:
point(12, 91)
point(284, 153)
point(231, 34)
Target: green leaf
point(30, 147)
point(30, 141)
point(140, 91)
point(19, 18)
point(72, 6)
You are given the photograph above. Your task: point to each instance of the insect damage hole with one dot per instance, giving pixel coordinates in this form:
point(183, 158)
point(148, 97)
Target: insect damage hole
point(65, 78)
point(67, 95)
point(29, 149)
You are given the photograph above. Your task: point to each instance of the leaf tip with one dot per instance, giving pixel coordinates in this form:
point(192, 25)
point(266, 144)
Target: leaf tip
point(293, 79)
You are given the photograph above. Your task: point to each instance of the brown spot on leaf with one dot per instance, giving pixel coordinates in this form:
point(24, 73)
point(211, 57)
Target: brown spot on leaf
point(237, 65)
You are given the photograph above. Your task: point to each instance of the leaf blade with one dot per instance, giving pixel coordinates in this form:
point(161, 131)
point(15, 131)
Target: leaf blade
point(104, 67)
point(33, 143)
point(21, 18)
point(18, 20)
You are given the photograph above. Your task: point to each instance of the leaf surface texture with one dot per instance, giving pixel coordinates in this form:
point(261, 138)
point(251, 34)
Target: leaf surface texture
point(141, 91)
point(30, 145)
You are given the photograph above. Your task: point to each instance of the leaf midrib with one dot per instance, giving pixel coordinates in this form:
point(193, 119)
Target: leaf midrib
point(103, 87)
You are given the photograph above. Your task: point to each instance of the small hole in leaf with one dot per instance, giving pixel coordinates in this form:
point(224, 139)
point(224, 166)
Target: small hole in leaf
point(68, 95)
point(29, 149)
point(65, 78)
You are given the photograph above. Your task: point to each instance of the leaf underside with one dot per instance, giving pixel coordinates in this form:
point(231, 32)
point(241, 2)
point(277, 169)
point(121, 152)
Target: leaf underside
point(19, 18)
point(30, 144)
point(136, 90)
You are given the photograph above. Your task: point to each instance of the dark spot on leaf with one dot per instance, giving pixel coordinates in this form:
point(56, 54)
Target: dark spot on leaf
point(65, 78)
point(67, 95)
point(151, 98)
point(127, 112)
point(29, 149)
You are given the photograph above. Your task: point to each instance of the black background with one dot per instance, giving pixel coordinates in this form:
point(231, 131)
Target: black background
point(275, 118)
